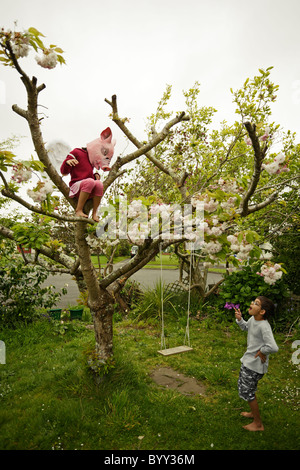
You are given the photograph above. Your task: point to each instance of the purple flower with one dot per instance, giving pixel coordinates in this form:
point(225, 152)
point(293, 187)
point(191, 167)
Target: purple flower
point(230, 306)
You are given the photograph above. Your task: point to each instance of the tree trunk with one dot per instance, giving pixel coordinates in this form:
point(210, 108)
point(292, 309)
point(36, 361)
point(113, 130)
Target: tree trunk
point(198, 278)
point(99, 299)
point(103, 325)
point(195, 275)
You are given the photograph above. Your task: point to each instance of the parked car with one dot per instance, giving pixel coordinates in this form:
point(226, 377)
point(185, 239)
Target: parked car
point(133, 251)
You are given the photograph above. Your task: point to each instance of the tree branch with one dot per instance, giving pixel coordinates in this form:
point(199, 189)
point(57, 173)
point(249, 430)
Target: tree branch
point(225, 160)
point(157, 138)
point(281, 184)
point(258, 158)
point(88, 270)
point(207, 294)
point(56, 256)
point(24, 76)
point(144, 255)
point(11, 195)
point(31, 115)
point(261, 205)
point(21, 112)
point(4, 180)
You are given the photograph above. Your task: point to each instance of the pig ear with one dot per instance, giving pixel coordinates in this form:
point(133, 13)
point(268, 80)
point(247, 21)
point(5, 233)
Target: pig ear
point(106, 135)
point(114, 142)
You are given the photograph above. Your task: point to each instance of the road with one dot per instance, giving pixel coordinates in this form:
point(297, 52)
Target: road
point(146, 277)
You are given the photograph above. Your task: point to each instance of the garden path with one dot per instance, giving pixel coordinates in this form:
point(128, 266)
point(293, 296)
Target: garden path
point(170, 378)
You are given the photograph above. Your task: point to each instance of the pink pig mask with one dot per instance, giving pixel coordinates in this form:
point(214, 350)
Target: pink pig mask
point(101, 150)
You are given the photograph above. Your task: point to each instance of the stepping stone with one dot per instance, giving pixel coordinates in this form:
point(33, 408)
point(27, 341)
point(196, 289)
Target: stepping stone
point(169, 378)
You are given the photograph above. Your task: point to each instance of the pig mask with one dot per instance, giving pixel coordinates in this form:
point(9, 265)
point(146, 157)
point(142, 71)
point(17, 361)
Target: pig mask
point(101, 150)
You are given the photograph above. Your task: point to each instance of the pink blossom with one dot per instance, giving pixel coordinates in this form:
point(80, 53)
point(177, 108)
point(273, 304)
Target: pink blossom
point(270, 272)
point(21, 173)
point(48, 59)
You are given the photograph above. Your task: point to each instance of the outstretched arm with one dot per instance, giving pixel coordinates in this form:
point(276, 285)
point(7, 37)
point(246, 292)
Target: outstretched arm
point(240, 321)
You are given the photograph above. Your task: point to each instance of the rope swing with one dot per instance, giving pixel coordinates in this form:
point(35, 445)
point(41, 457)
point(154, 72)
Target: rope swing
point(186, 345)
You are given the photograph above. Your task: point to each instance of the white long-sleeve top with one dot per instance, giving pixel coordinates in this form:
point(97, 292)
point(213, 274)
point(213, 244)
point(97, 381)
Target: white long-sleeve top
point(260, 338)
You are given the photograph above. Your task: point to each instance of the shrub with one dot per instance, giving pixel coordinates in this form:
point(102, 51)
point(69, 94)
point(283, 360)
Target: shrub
point(241, 287)
point(287, 249)
point(21, 293)
point(150, 303)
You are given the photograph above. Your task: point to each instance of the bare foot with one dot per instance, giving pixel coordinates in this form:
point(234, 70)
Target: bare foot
point(254, 427)
point(246, 414)
point(95, 218)
point(81, 214)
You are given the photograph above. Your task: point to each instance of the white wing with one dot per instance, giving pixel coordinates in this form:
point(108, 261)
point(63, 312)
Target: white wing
point(57, 152)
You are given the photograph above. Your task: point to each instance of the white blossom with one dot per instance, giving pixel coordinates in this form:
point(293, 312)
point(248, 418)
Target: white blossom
point(211, 205)
point(212, 247)
point(20, 173)
point(271, 273)
point(280, 158)
point(20, 50)
point(41, 191)
point(48, 59)
point(276, 166)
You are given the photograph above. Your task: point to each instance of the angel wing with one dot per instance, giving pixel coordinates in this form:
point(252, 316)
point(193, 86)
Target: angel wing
point(57, 151)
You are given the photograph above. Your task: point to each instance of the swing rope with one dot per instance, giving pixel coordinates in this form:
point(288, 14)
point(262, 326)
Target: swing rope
point(162, 339)
point(187, 330)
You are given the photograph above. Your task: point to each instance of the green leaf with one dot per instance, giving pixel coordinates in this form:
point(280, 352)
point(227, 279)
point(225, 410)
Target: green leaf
point(240, 237)
point(60, 59)
point(39, 43)
point(33, 44)
point(35, 32)
point(249, 237)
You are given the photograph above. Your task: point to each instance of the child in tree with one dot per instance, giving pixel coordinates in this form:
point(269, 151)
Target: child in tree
point(260, 343)
point(85, 184)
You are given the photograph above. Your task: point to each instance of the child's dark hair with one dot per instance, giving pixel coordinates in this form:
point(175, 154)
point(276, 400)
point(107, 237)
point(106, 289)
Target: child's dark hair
point(267, 305)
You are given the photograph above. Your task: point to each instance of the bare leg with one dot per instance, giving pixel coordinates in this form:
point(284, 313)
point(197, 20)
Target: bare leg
point(83, 197)
point(256, 425)
point(96, 203)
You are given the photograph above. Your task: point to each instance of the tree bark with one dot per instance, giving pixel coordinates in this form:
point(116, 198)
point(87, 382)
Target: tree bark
point(103, 325)
point(100, 300)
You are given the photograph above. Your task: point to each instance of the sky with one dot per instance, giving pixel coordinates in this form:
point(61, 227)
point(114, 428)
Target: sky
point(134, 48)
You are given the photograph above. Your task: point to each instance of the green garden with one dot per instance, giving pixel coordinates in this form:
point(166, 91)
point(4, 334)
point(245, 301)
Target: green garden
point(55, 396)
point(220, 198)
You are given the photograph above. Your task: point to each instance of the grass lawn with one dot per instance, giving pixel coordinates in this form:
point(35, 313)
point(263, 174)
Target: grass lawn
point(167, 261)
point(49, 399)
point(103, 259)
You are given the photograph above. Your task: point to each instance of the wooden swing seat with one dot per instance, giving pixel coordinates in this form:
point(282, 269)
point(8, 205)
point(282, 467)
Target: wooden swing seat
point(177, 350)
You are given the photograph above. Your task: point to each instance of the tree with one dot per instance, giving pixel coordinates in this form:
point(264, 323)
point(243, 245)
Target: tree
point(101, 294)
point(200, 183)
point(247, 150)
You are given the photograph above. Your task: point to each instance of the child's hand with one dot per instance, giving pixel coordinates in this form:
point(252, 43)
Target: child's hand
point(263, 358)
point(72, 162)
point(238, 314)
point(97, 176)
